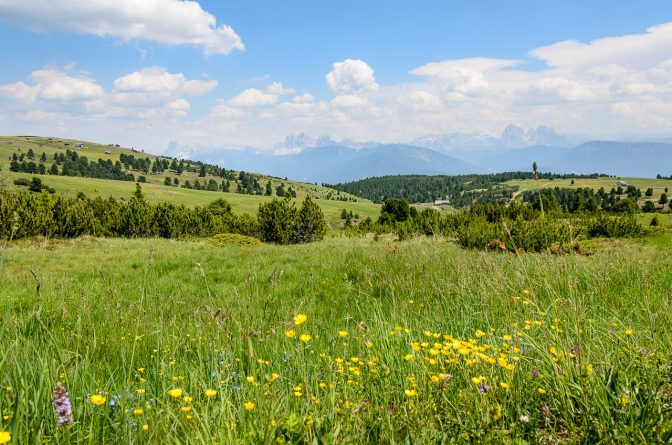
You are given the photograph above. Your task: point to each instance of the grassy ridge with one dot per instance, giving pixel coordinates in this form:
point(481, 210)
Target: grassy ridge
point(402, 342)
point(658, 185)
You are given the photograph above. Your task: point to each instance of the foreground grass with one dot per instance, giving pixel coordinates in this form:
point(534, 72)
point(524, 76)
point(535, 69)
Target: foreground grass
point(404, 342)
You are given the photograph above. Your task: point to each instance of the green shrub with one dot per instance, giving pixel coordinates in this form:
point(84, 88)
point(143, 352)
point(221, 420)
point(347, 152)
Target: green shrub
point(614, 227)
point(277, 221)
point(233, 239)
point(280, 222)
point(479, 234)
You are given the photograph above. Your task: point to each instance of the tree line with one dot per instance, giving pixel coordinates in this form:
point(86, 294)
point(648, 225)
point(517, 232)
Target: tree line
point(617, 200)
point(461, 191)
point(71, 163)
point(30, 214)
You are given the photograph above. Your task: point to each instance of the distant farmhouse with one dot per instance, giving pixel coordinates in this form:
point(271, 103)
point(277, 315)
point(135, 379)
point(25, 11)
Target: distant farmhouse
point(441, 202)
point(621, 184)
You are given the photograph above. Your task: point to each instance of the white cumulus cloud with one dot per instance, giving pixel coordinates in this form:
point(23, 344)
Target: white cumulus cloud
point(253, 97)
point(351, 76)
point(348, 101)
point(638, 51)
point(171, 22)
point(156, 85)
point(52, 84)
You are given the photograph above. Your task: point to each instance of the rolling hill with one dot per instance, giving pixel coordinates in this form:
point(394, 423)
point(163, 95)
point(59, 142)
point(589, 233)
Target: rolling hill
point(154, 189)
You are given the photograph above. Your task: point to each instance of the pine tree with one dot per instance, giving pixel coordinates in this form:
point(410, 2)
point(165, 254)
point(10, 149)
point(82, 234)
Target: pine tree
point(311, 225)
point(277, 221)
point(137, 194)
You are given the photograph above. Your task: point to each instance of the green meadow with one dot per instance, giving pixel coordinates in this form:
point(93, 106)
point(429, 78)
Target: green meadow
point(658, 185)
point(358, 338)
point(348, 340)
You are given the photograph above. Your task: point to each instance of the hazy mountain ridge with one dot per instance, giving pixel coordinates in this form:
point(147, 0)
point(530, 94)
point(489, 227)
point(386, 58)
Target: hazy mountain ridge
point(512, 136)
point(323, 159)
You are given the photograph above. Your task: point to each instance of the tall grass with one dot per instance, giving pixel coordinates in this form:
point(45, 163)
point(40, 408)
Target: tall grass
point(417, 341)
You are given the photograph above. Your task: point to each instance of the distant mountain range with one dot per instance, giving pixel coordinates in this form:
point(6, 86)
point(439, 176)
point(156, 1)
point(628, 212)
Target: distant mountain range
point(512, 137)
point(324, 160)
point(337, 163)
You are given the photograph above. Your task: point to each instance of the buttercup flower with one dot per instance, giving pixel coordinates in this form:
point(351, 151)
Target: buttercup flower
point(210, 393)
point(300, 319)
point(97, 399)
point(175, 393)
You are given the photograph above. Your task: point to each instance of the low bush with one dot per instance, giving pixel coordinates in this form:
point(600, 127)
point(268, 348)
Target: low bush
point(233, 239)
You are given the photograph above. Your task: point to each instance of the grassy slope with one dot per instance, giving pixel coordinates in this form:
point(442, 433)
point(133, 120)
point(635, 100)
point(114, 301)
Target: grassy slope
point(658, 185)
point(155, 190)
point(195, 316)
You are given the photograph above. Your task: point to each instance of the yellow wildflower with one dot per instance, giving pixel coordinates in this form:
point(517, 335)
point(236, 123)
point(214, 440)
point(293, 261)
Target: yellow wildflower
point(478, 380)
point(138, 411)
point(290, 333)
point(300, 319)
point(145, 427)
point(175, 393)
point(210, 393)
point(541, 390)
point(187, 399)
point(185, 409)
point(97, 399)
point(249, 406)
point(629, 332)
point(408, 357)
point(342, 334)
point(5, 437)
point(410, 392)
point(305, 338)
point(503, 385)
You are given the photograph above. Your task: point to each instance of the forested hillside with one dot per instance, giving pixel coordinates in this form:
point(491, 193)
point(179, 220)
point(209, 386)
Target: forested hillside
point(460, 191)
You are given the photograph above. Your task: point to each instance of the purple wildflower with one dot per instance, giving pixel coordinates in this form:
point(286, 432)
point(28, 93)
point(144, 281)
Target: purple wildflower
point(483, 388)
point(574, 350)
point(535, 373)
point(62, 405)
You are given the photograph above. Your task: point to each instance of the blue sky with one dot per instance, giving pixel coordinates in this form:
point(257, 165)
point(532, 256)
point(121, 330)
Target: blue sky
point(148, 75)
